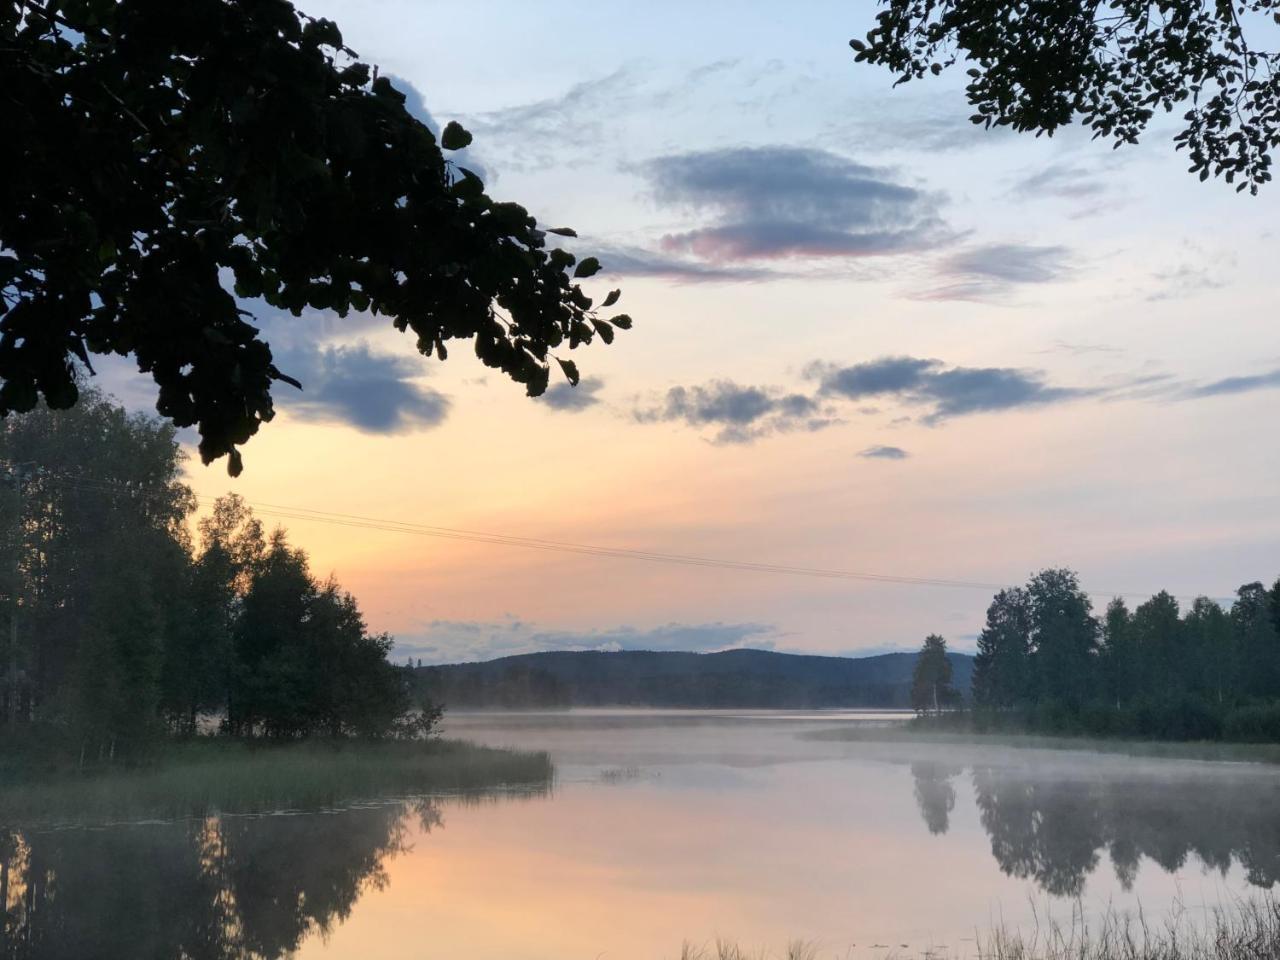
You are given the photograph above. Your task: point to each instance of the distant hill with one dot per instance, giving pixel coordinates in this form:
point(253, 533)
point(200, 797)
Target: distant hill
point(632, 678)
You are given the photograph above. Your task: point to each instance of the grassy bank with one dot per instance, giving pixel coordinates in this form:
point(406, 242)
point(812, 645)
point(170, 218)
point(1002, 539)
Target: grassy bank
point(1247, 930)
point(1166, 749)
point(210, 775)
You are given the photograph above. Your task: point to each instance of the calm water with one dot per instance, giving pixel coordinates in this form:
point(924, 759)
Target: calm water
point(665, 827)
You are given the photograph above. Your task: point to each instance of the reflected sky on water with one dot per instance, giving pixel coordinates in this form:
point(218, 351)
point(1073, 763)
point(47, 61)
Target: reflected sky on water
point(664, 827)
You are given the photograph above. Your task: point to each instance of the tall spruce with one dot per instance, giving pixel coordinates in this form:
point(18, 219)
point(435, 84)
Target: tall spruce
point(1001, 671)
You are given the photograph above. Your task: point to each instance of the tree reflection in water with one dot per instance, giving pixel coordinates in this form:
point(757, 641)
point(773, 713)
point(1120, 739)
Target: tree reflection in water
point(224, 888)
point(1052, 825)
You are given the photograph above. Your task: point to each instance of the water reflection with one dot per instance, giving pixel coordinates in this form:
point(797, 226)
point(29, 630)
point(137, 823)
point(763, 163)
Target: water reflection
point(935, 794)
point(223, 888)
point(1053, 826)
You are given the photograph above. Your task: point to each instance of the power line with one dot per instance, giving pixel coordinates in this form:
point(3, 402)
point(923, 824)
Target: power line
point(333, 518)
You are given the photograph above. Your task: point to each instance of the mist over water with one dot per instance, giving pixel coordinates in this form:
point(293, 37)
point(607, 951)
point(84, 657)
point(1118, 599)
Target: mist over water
point(664, 827)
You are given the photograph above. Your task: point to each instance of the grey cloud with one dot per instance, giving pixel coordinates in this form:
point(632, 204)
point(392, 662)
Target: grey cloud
point(983, 272)
point(944, 392)
point(783, 202)
point(884, 453)
point(565, 397)
point(1229, 385)
point(372, 392)
point(451, 641)
point(740, 414)
point(887, 375)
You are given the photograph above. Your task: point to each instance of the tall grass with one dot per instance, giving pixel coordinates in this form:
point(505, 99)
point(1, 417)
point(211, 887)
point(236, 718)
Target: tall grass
point(725, 950)
point(210, 775)
point(1243, 930)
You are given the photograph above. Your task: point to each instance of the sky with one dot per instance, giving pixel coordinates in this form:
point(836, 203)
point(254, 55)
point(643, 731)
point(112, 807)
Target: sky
point(869, 336)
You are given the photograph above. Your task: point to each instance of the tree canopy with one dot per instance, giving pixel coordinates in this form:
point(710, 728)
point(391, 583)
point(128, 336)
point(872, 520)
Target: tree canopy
point(121, 627)
point(1044, 660)
point(169, 162)
point(1038, 65)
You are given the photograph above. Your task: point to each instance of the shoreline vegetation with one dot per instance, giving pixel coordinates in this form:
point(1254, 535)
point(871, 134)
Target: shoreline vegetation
point(1246, 929)
point(1048, 664)
point(211, 775)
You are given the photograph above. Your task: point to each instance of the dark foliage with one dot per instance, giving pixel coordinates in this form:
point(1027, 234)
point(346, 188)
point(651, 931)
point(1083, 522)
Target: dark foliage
point(1045, 663)
point(1039, 65)
point(117, 629)
point(157, 151)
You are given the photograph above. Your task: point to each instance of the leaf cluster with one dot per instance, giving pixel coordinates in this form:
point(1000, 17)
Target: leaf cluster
point(1037, 65)
point(165, 162)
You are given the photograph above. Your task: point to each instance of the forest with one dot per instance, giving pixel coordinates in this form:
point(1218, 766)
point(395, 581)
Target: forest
point(120, 626)
point(1210, 671)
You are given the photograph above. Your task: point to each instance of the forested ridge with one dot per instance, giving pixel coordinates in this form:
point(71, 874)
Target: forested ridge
point(642, 678)
point(120, 625)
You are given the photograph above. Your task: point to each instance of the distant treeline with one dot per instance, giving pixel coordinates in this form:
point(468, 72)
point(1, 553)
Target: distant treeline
point(730, 679)
point(118, 626)
point(1047, 662)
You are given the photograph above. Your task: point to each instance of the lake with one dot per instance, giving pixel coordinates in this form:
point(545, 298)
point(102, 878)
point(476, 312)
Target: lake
point(664, 827)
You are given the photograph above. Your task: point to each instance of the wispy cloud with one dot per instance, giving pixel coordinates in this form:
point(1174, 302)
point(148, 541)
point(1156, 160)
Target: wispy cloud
point(1064, 180)
point(738, 414)
point(991, 270)
point(1230, 385)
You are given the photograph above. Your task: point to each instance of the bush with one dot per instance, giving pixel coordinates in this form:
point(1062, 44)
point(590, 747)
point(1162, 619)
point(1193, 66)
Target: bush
point(1259, 723)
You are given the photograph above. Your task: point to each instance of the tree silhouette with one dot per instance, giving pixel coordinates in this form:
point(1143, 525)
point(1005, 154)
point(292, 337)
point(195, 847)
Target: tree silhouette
point(931, 688)
point(163, 149)
point(1040, 65)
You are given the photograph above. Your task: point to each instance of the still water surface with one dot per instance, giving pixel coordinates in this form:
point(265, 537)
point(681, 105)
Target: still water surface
point(668, 826)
